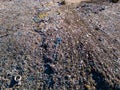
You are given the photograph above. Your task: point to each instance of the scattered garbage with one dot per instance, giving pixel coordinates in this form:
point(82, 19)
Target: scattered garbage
point(17, 78)
point(49, 54)
point(45, 46)
point(13, 82)
point(58, 41)
point(1, 69)
point(36, 19)
point(47, 59)
point(50, 82)
point(48, 69)
point(55, 56)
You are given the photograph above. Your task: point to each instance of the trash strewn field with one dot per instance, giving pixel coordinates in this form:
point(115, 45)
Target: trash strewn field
point(51, 45)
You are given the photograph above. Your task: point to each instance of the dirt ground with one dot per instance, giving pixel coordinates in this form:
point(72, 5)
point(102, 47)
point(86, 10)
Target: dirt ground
point(48, 45)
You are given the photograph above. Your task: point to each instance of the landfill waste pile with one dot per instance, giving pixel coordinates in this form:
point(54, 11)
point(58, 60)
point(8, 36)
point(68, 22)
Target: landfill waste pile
point(56, 45)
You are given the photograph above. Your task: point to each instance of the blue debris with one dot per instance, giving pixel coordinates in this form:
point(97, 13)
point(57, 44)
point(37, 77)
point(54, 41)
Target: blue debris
point(1, 82)
point(66, 77)
point(50, 82)
point(45, 46)
point(18, 67)
point(48, 69)
point(36, 19)
point(58, 41)
point(47, 59)
point(12, 83)
point(6, 85)
point(1, 69)
point(55, 55)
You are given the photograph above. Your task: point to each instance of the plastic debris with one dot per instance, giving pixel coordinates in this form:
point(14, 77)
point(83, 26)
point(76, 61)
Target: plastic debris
point(36, 19)
point(47, 59)
point(12, 83)
point(45, 46)
point(48, 69)
point(58, 41)
point(43, 15)
point(50, 82)
point(17, 78)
